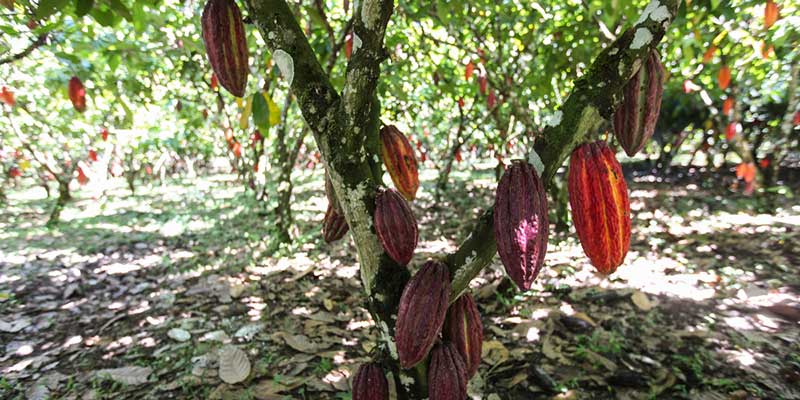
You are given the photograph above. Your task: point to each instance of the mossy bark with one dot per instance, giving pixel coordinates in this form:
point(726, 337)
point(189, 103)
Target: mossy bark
point(64, 196)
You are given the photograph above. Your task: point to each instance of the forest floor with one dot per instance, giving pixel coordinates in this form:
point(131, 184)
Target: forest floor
point(154, 295)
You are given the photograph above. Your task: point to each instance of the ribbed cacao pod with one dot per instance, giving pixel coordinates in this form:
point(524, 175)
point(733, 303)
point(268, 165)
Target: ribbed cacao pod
point(447, 374)
point(463, 328)
point(226, 44)
point(398, 156)
point(77, 94)
point(635, 119)
point(334, 225)
point(520, 223)
point(601, 212)
point(396, 226)
point(423, 307)
point(370, 383)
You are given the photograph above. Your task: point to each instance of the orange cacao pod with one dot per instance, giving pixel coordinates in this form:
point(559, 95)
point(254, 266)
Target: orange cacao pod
point(635, 119)
point(226, 44)
point(724, 77)
point(770, 14)
point(520, 223)
point(601, 212)
point(463, 328)
point(423, 306)
point(77, 94)
point(396, 226)
point(7, 96)
point(370, 383)
point(398, 156)
point(447, 374)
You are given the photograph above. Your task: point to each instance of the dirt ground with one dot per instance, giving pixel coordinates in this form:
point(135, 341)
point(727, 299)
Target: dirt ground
point(153, 295)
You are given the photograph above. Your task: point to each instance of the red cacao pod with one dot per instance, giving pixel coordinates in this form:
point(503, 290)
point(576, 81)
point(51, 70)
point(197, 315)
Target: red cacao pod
point(447, 374)
point(463, 328)
point(423, 307)
point(727, 106)
point(370, 383)
point(520, 223)
point(396, 226)
point(770, 14)
point(398, 156)
point(104, 134)
point(730, 132)
point(601, 212)
point(635, 119)
point(7, 96)
point(77, 94)
point(92, 155)
point(226, 44)
point(334, 226)
point(82, 178)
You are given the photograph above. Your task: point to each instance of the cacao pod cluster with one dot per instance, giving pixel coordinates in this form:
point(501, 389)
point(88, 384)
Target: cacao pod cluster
point(400, 161)
point(226, 44)
point(598, 197)
point(520, 223)
point(635, 119)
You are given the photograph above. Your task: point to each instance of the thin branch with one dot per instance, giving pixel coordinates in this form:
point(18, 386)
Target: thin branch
point(39, 42)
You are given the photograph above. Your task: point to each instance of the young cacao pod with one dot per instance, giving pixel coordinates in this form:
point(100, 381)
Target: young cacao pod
point(396, 226)
point(601, 212)
point(520, 223)
point(447, 374)
point(370, 383)
point(724, 77)
point(635, 119)
point(334, 225)
point(398, 156)
point(226, 44)
point(423, 306)
point(77, 94)
point(463, 328)
point(770, 14)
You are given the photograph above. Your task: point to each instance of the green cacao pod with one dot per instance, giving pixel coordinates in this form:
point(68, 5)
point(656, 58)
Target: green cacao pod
point(635, 119)
point(400, 161)
point(395, 225)
point(521, 225)
point(226, 44)
point(447, 374)
point(598, 197)
point(463, 328)
point(370, 383)
point(423, 306)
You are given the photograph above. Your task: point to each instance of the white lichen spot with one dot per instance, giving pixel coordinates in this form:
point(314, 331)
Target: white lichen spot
point(387, 338)
point(613, 51)
point(536, 161)
point(271, 35)
point(312, 109)
point(601, 84)
point(406, 381)
point(660, 14)
point(285, 64)
point(641, 38)
point(554, 119)
point(621, 68)
point(371, 13)
point(654, 4)
point(356, 43)
point(376, 159)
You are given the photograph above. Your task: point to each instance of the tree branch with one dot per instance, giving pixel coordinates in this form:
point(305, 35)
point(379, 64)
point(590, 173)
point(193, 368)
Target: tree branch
point(39, 42)
point(593, 100)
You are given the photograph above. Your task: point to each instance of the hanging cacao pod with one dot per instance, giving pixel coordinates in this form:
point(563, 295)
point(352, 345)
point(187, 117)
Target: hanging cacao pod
point(423, 307)
point(370, 383)
point(520, 223)
point(334, 225)
point(447, 374)
point(727, 106)
point(724, 77)
point(398, 156)
point(635, 119)
point(226, 44)
point(730, 132)
point(7, 96)
point(770, 14)
point(601, 212)
point(77, 94)
point(463, 328)
point(396, 226)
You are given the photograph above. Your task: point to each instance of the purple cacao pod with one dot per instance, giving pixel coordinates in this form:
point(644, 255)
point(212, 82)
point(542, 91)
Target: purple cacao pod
point(635, 119)
point(226, 44)
point(423, 307)
point(370, 383)
point(447, 374)
point(521, 226)
point(396, 226)
point(463, 328)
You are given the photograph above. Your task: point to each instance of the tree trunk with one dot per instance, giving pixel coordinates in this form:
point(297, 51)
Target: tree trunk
point(64, 196)
point(455, 147)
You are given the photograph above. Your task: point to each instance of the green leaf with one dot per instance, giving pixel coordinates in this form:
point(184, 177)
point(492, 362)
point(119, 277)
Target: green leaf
point(121, 9)
point(49, 7)
point(260, 111)
point(103, 17)
point(114, 61)
point(82, 7)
